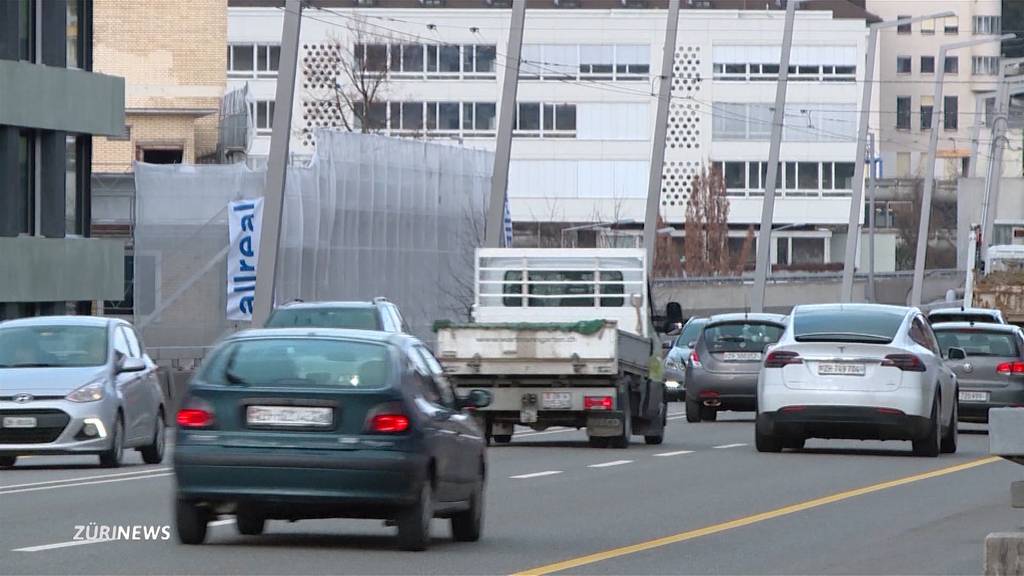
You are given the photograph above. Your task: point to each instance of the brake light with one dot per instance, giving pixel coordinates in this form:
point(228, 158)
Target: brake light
point(905, 362)
point(194, 418)
point(890, 411)
point(388, 423)
point(782, 358)
point(708, 394)
point(1011, 368)
point(597, 402)
point(694, 358)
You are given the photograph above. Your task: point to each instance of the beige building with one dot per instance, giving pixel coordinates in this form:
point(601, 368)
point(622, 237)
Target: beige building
point(171, 55)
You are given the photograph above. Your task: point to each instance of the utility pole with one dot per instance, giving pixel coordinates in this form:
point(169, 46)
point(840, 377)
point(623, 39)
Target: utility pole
point(995, 163)
point(660, 131)
point(764, 236)
point(494, 231)
point(277, 166)
point(872, 190)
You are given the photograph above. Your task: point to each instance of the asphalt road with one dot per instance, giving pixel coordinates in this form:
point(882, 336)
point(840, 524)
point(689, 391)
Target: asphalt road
point(704, 502)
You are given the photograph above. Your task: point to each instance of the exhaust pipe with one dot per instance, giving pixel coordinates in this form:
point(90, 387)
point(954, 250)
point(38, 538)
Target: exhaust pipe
point(713, 403)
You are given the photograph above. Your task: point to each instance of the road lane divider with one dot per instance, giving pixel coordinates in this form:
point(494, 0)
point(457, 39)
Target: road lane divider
point(536, 474)
point(82, 478)
point(724, 446)
point(748, 520)
point(610, 464)
point(676, 453)
point(77, 484)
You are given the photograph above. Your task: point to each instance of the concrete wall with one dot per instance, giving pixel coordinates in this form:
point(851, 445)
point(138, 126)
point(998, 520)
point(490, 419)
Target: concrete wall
point(971, 196)
point(61, 269)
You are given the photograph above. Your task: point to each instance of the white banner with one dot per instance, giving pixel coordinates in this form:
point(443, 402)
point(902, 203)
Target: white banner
point(244, 220)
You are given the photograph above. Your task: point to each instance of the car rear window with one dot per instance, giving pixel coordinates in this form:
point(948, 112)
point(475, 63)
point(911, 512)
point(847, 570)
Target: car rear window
point(690, 332)
point(978, 342)
point(300, 362)
point(335, 317)
point(960, 317)
point(741, 336)
point(836, 325)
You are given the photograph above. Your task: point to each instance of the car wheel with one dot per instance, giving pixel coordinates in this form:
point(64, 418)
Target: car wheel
point(249, 523)
point(190, 522)
point(952, 437)
point(794, 443)
point(414, 522)
point(154, 453)
point(468, 524)
point(708, 413)
point(766, 442)
point(693, 411)
point(928, 446)
point(598, 441)
point(502, 438)
point(113, 457)
point(7, 461)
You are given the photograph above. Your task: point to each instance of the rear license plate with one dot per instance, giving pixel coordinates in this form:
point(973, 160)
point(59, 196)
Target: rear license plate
point(528, 415)
point(969, 396)
point(556, 400)
point(19, 422)
point(741, 356)
point(841, 369)
point(289, 416)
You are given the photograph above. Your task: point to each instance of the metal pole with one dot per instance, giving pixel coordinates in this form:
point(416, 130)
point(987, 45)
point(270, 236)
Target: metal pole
point(764, 235)
point(995, 164)
point(857, 195)
point(872, 190)
point(494, 231)
point(660, 131)
point(979, 107)
point(969, 283)
point(277, 165)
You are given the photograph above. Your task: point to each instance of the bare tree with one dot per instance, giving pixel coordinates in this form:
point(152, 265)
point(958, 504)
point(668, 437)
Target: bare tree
point(740, 263)
point(707, 230)
point(941, 251)
point(667, 261)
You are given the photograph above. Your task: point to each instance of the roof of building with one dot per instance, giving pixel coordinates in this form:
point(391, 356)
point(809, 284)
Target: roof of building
point(841, 9)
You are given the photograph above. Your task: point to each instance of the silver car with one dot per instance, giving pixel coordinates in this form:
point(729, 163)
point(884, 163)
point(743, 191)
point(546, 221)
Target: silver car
point(962, 314)
point(992, 375)
point(678, 356)
point(858, 371)
point(77, 385)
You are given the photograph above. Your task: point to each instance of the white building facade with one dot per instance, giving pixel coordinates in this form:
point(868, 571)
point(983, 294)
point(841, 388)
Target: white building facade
point(587, 103)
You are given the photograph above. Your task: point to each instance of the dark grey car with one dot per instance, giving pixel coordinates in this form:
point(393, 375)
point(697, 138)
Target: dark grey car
point(678, 356)
point(722, 370)
point(992, 375)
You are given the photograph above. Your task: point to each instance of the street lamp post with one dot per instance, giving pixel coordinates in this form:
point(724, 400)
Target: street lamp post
point(857, 194)
point(929, 179)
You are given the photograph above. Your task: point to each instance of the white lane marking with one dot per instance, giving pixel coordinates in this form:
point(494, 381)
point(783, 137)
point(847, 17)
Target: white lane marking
point(676, 453)
point(95, 477)
point(612, 463)
point(60, 545)
point(723, 446)
point(536, 474)
point(3, 492)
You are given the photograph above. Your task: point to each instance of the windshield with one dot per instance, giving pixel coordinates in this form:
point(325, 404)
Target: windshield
point(961, 317)
point(356, 318)
point(300, 362)
point(59, 346)
point(835, 325)
point(978, 342)
point(741, 336)
point(690, 333)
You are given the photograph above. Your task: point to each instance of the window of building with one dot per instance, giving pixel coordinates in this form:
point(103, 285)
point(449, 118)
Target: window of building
point(903, 164)
point(449, 60)
point(927, 64)
point(903, 112)
point(808, 250)
point(951, 25)
point(928, 27)
point(903, 65)
point(27, 179)
point(602, 62)
point(903, 28)
point(27, 30)
point(253, 59)
point(807, 176)
point(72, 37)
point(782, 251)
point(478, 59)
point(927, 109)
point(805, 122)
point(528, 117)
point(479, 117)
point(632, 62)
point(987, 25)
point(950, 113)
point(797, 179)
point(370, 120)
point(262, 112)
point(597, 61)
point(162, 155)
point(985, 65)
point(952, 65)
point(71, 165)
point(125, 306)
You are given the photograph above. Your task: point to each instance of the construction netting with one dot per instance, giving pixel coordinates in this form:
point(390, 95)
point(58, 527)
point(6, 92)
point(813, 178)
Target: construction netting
point(369, 216)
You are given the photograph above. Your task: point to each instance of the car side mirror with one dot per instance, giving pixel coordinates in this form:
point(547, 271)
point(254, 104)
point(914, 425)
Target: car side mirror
point(956, 354)
point(691, 344)
point(478, 399)
point(128, 364)
point(666, 345)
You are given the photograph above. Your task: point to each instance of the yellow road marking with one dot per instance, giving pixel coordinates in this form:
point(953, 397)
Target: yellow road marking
point(748, 520)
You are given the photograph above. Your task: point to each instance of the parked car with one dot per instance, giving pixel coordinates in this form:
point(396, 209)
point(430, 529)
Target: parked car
point(724, 363)
point(294, 424)
point(860, 371)
point(78, 385)
point(677, 357)
point(986, 315)
point(378, 314)
point(992, 374)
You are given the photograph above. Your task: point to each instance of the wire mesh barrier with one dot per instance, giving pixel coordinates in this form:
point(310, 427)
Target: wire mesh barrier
point(369, 216)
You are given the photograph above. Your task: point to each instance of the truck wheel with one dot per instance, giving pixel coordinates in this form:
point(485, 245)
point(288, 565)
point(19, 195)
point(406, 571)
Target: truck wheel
point(692, 411)
point(655, 439)
point(502, 438)
point(622, 440)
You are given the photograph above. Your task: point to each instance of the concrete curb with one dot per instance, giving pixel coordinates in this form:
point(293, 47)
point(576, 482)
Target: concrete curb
point(1004, 554)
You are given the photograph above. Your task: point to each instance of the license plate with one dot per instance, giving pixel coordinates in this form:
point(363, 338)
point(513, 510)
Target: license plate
point(528, 415)
point(19, 422)
point(841, 369)
point(742, 356)
point(969, 396)
point(556, 400)
point(289, 416)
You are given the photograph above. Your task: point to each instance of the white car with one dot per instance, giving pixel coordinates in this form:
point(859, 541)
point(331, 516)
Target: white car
point(857, 371)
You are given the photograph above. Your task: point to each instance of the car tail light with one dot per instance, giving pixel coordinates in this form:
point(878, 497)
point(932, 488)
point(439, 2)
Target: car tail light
point(905, 362)
point(890, 411)
point(792, 408)
point(387, 418)
point(695, 358)
point(782, 358)
point(195, 413)
point(708, 394)
point(597, 402)
point(1011, 368)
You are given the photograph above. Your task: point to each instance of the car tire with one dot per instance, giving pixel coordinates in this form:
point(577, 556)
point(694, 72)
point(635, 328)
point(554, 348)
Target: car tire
point(414, 521)
point(794, 443)
point(154, 453)
point(656, 439)
point(249, 523)
point(190, 522)
point(114, 456)
point(502, 438)
point(952, 437)
point(693, 412)
point(598, 441)
point(708, 413)
point(929, 446)
point(766, 442)
point(468, 524)
point(8, 461)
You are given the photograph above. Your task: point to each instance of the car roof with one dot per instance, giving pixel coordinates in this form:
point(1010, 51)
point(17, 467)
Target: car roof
point(395, 338)
point(979, 311)
point(67, 320)
point(991, 326)
point(904, 310)
point(329, 304)
point(757, 317)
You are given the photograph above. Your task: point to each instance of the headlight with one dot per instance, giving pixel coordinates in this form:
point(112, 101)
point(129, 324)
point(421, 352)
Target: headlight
point(672, 384)
point(91, 392)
